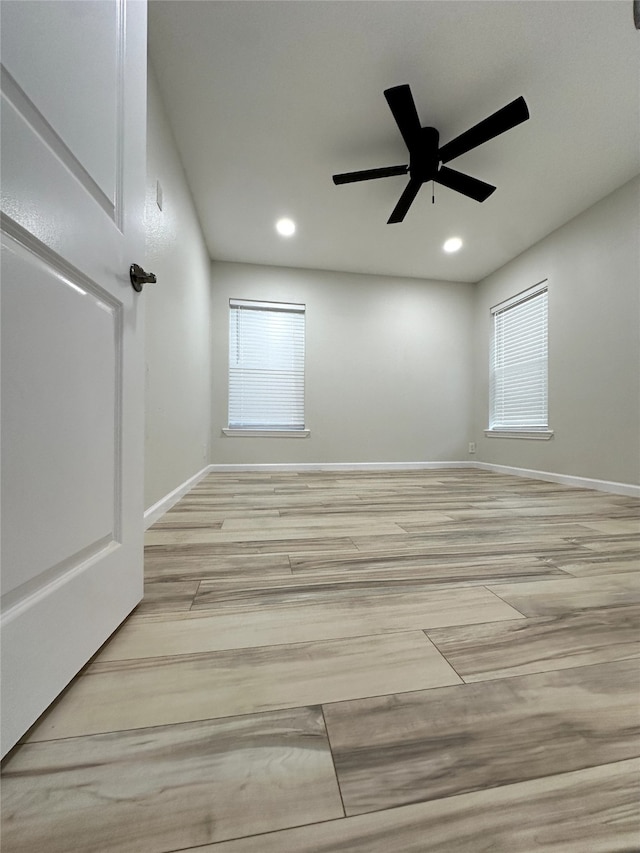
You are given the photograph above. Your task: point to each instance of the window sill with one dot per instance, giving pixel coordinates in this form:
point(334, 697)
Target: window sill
point(538, 434)
point(266, 433)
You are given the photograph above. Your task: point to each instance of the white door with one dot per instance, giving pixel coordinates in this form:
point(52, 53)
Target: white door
point(73, 174)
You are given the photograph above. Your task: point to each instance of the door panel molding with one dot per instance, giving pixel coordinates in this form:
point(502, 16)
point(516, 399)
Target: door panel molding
point(68, 60)
point(36, 178)
point(41, 127)
point(77, 329)
point(59, 265)
point(93, 600)
point(118, 207)
point(17, 600)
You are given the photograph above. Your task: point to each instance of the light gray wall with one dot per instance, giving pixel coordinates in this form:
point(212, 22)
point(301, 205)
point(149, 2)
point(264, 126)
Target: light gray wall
point(177, 348)
point(396, 369)
point(388, 374)
point(593, 267)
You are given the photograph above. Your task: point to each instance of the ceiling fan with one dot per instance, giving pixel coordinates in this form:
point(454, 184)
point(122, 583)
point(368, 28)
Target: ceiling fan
point(426, 158)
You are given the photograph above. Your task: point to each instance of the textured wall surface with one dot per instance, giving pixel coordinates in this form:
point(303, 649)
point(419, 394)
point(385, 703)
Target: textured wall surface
point(388, 366)
point(177, 350)
point(593, 268)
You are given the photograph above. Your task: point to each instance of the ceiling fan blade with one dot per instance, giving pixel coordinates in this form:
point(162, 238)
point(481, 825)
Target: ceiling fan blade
point(369, 174)
point(513, 114)
point(464, 184)
point(404, 111)
point(405, 202)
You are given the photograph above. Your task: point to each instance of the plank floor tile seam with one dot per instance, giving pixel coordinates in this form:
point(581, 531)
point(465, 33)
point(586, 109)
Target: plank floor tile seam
point(337, 823)
point(461, 685)
point(267, 646)
point(462, 681)
point(321, 704)
point(501, 599)
point(398, 808)
point(177, 724)
point(494, 787)
point(469, 677)
point(91, 668)
point(333, 761)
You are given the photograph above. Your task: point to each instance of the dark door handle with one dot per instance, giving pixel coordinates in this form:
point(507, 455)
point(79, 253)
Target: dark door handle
point(139, 277)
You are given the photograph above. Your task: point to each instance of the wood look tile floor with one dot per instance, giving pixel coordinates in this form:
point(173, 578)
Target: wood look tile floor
point(409, 661)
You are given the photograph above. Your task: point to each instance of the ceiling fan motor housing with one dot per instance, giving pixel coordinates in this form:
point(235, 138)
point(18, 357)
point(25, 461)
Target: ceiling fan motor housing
point(424, 161)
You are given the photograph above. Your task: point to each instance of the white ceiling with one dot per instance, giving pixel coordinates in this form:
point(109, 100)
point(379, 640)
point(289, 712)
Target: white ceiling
point(268, 99)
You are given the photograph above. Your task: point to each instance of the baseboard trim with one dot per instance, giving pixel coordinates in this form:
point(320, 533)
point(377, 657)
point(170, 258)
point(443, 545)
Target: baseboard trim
point(159, 508)
point(334, 466)
point(627, 489)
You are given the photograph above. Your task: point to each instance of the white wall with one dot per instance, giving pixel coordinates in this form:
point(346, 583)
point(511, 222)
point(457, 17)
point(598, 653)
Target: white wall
point(593, 267)
point(177, 349)
point(388, 374)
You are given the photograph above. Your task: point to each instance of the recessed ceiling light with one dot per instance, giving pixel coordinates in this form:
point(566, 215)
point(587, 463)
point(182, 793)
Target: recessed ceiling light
point(452, 244)
point(286, 227)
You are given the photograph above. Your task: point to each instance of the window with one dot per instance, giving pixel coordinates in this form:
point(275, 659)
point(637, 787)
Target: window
point(266, 367)
point(518, 381)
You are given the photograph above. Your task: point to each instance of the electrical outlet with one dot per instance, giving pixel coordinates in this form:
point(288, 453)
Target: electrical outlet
point(472, 447)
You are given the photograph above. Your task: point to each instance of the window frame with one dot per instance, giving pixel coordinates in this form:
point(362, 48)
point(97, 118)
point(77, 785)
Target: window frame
point(524, 430)
point(265, 430)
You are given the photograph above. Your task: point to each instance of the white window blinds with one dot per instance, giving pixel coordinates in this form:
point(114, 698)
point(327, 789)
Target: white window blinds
point(519, 362)
point(266, 365)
